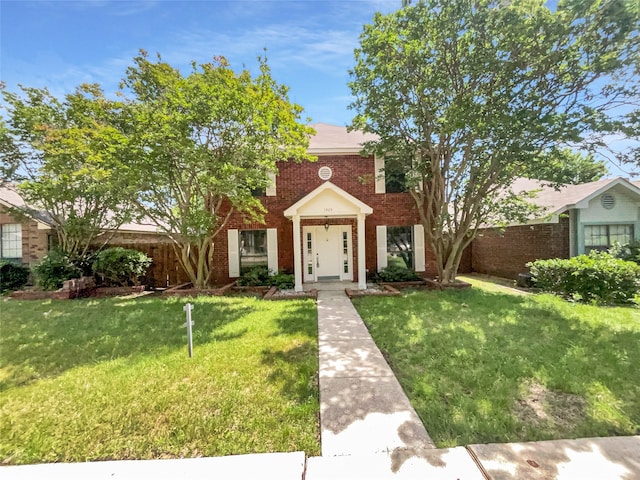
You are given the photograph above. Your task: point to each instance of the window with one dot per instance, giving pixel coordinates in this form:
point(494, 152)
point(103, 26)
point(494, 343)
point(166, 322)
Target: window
point(258, 192)
point(11, 241)
point(253, 249)
point(394, 177)
point(602, 237)
point(399, 247)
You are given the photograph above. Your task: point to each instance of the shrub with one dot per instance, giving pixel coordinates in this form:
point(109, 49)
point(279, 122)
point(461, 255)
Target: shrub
point(598, 277)
point(282, 280)
point(260, 276)
point(13, 276)
point(257, 276)
point(396, 273)
point(121, 266)
point(54, 268)
point(629, 251)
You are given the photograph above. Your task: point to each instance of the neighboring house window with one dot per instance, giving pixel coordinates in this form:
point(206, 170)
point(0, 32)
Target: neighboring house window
point(602, 237)
point(400, 247)
point(394, 178)
point(11, 241)
point(253, 249)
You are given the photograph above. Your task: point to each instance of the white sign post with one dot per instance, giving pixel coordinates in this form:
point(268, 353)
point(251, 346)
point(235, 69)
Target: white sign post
point(187, 308)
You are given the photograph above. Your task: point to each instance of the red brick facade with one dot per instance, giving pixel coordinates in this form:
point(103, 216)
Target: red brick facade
point(506, 255)
point(352, 173)
point(34, 240)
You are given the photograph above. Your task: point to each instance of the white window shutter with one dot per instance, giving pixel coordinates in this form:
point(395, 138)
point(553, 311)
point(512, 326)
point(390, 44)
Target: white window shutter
point(381, 241)
point(272, 250)
point(271, 189)
point(234, 253)
point(379, 167)
point(418, 248)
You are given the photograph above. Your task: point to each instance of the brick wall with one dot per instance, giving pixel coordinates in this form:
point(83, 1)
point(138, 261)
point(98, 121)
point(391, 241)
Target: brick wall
point(505, 255)
point(34, 241)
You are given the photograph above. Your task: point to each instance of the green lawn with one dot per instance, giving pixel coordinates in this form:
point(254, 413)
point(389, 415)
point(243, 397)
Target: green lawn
point(488, 365)
point(111, 379)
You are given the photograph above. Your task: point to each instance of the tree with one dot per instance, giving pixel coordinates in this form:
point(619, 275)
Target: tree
point(569, 167)
point(67, 157)
point(467, 94)
point(201, 144)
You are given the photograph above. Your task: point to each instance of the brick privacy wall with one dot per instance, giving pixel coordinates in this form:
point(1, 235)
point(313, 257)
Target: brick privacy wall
point(352, 173)
point(505, 255)
point(34, 241)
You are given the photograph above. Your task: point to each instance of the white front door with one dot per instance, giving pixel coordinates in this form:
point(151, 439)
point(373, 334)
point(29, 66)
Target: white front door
point(327, 253)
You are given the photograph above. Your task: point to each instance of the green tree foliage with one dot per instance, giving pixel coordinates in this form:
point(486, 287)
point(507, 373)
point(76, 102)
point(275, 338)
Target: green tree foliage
point(468, 94)
point(68, 159)
point(201, 143)
point(568, 167)
point(121, 266)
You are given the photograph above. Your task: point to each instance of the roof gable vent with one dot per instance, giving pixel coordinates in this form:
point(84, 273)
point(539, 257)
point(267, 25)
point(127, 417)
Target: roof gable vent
point(325, 173)
point(608, 201)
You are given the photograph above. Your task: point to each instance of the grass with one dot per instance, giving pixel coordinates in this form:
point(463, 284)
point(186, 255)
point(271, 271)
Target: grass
point(111, 379)
point(487, 365)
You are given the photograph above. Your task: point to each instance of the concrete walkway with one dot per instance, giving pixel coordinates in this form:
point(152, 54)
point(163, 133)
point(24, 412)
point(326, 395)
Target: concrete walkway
point(363, 409)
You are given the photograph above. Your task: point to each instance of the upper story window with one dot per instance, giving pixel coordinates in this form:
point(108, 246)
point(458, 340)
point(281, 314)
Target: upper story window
point(253, 249)
point(602, 237)
point(394, 177)
point(11, 241)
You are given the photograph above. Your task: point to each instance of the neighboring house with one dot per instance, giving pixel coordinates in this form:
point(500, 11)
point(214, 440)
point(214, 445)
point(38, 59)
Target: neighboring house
point(579, 218)
point(26, 237)
point(23, 238)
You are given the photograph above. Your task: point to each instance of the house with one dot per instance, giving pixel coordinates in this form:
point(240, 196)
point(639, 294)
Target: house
point(578, 219)
point(337, 218)
point(27, 234)
point(23, 238)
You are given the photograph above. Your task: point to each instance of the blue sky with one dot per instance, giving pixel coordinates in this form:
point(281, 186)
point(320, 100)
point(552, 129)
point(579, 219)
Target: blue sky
point(61, 44)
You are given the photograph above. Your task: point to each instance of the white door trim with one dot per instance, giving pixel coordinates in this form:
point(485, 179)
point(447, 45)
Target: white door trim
point(311, 258)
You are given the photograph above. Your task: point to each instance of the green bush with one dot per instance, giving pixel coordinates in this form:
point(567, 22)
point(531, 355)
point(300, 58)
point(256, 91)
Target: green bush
point(394, 273)
point(13, 276)
point(54, 268)
point(261, 277)
point(121, 266)
point(282, 280)
point(629, 251)
point(257, 276)
point(595, 278)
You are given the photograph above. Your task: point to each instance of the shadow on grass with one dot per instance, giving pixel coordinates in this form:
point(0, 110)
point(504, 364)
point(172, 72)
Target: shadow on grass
point(467, 359)
point(296, 368)
point(43, 339)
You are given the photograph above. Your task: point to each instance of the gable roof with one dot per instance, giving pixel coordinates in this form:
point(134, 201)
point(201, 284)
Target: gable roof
point(565, 197)
point(10, 198)
point(336, 139)
point(315, 203)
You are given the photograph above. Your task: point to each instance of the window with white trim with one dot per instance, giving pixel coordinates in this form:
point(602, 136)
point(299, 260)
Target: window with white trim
point(602, 237)
point(11, 241)
point(400, 247)
point(253, 249)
